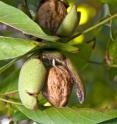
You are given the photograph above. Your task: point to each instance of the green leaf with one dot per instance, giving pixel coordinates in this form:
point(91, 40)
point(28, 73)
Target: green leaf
point(18, 116)
point(112, 121)
point(67, 115)
point(61, 47)
point(14, 47)
point(17, 19)
point(9, 84)
point(112, 53)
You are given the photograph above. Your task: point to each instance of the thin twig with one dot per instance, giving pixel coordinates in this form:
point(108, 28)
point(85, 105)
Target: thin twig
point(95, 62)
point(95, 26)
point(9, 101)
point(11, 92)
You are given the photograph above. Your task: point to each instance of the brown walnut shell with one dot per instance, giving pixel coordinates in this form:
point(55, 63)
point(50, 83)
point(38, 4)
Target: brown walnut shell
point(58, 86)
point(50, 14)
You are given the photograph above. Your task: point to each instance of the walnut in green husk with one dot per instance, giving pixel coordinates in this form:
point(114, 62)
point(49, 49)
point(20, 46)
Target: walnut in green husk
point(50, 14)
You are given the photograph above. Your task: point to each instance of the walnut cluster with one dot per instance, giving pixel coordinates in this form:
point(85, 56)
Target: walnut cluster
point(61, 78)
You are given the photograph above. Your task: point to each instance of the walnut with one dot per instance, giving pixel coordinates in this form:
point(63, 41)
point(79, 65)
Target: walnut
point(50, 14)
point(58, 86)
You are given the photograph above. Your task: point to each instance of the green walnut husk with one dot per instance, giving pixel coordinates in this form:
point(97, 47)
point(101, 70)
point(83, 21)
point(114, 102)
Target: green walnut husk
point(31, 80)
point(70, 23)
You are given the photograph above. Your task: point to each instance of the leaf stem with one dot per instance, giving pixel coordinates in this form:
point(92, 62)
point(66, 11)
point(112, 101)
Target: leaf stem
point(95, 26)
point(95, 62)
point(8, 93)
point(3, 68)
point(9, 101)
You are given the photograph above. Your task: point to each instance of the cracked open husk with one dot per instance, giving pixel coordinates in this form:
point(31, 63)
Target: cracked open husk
point(77, 80)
